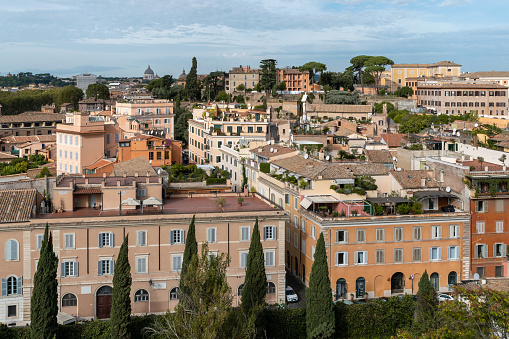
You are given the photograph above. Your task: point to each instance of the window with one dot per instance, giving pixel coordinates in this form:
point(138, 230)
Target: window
point(361, 235)
point(243, 259)
point(244, 233)
point(481, 206)
point(141, 192)
point(296, 221)
point(435, 253)
point(499, 226)
point(176, 262)
point(417, 232)
point(269, 258)
point(12, 311)
point(69, 299)
point(379, 256)
point(174, 293)
point(360, 287)
point(435, 281)
point(436, 232)
point(271, 287)
point(480, 227)
point(296, 203)
point(481, 271)
point(380, 234)
point(141, 265)
point(177, 237)
point(40, 237)
point(269, 233)
point(303, 246)
point(287, 198)
point(454, 231)
point(11, 250)
point(398, 234)
point(313, 252)
point(296, 240)
point(303, 224)
point(69, 269)
point(313, 231)
point(141, 238)
point(499, 250)
point(105, 267)
point(481, 252)
point(361, 257)
point(69, 240)
point(499, 205)
point(141, 295)
point(453, 252)
point(398, 255)
point(288, 235)
point(12, 285)
point(106, 239)
point(211, 235)
point(499, 271)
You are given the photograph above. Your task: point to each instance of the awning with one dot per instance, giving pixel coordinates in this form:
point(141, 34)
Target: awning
point(65, 319)
point(433, 194)
point(131, 202)
point(317, 199)
point(344, 181)
point(387, 200)
point(152, 201)
point(87, 191)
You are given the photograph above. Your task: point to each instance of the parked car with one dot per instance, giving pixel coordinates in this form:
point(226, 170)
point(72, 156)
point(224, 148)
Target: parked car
point(291, 296)
point(344, 301)
point(445, 297)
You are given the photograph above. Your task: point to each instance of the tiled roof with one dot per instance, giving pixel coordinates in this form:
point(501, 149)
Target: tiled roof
point(265, 152)
point(32, 138)
point(394, 140)
point(331, 108)
point(87, 191)
point(130, 167)
point(31, 117)
point(98, 164)
point(478, 167)
point(490, 74)
point(344, 132)
point(454, 85)
point(379, 156)
point(445, 63)
point(412, 179)
point(16, 205)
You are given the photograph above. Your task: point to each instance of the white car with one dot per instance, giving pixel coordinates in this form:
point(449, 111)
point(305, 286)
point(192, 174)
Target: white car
point(445, 297)
point(291, 296)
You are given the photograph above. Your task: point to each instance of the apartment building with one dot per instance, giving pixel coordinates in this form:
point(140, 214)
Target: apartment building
point(295, 80)
point(156, 115)
point(87, 243)
point(245, 75)
point(400, 72)
point(29, 123)
point(212, 128)
point(489, 100)
point(84, 80)
point(80, 143)
point(497, 77)
point(158, 151)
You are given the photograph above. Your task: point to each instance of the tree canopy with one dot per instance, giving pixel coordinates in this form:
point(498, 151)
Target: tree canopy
point(313, 67)
point(121, 299)
point(342, 97)
point(192, 85)
point(358, 64)
point(268, 79)
point(376, 66)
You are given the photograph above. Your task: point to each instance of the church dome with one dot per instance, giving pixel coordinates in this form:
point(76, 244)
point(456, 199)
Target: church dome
point(149, 71)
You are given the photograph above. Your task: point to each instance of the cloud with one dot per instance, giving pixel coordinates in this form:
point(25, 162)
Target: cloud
point(35, 6)
point(455, 2)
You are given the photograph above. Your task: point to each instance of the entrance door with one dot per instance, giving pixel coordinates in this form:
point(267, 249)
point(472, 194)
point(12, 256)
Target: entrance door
point(92, 200)
point(341, 288)
point(397, 283)
point(104, 295)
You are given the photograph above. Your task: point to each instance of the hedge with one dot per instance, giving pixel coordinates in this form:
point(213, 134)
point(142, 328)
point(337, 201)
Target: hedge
point(265, 167)
point(216, 181)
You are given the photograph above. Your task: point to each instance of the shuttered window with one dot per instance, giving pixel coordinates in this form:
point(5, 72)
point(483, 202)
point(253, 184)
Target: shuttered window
point(69, 269)
point(11, 250)
point(142, 238)
point(106, 239)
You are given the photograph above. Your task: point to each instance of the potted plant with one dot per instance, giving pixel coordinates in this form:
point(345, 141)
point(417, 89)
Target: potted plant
point(240, 200)
point(220, 202)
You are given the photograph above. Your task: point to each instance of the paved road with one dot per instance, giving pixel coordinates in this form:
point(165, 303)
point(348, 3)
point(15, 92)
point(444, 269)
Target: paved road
point(299, 288)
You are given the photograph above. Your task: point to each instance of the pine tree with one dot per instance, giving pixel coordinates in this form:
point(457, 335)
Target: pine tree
point(255, 283)
point(192, 88)
point(426, 310)
point(121, 300)
point(320, 321)
point(44, 304)
point(190, 250)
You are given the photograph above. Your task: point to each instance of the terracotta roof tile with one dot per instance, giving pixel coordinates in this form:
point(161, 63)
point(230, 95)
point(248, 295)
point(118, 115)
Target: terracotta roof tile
point(412, 179)
point(265, 152)
point(130, 167)
point(31, 117)
point(16, 205)
point(394, 140)
point(379, 156)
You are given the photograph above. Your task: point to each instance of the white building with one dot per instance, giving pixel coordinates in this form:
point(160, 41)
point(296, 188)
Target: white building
point(84, 80)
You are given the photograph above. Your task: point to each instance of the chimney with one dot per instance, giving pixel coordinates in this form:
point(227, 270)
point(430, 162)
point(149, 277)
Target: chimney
point(260, 150)
point(486, 168)
point(423, 182)
point(125, 175)
point(104, 174)
point(136, 174)
point(118, 183)
point(86, 181)
point(148, 174)
point(504, 168)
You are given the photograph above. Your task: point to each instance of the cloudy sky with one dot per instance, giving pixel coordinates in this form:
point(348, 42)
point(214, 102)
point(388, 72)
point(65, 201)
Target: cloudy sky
point(121, 37)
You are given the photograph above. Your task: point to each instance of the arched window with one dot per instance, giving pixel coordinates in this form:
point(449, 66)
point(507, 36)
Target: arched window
point(271, 287)
point(12, 286)
point(360, 287)
point(69, 299)
point(174, 293)
point(341, 288)
point(452, 279)
point(11, 250)
point(141, 295)
point(434, 278)
point(239, 289)
point(105, 290)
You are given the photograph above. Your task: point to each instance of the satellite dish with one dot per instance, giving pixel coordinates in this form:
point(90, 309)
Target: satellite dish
point(476, 125)
point(394, 159)
point(476, 276)
point(268, 142)
point(447, 189)
point(306, 156)
point(398, 169)
point(458, 133)
point(271, 150)
point(327, 158)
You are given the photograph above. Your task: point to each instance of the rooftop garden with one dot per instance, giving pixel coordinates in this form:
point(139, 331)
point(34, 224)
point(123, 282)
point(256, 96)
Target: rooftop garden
point(191, 173)
point(361, 185)
point(22, 165)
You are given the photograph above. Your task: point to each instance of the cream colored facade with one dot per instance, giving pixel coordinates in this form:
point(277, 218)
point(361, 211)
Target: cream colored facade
point(242, 75)
point(148, 115)
point(400, 72)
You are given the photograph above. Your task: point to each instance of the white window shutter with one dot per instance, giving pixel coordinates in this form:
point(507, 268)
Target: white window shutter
point(100, 238)
point(99, 268)
point(265, 233)
point(19, 285)
point(62, 269)
point(112, 266)
point(504, 250)
point(75, 268)
point(430, 254)
point(356, 258)
point(346, 258)
point(172, 237)
point(485, 251)
point(182, 237)
point(8, 250)
point(112, 244)
point(274, 232)
point(365, 257)
point(475, 252)
point(440, 232)
point(494, 250)
point(337, 258)
point(337, 238)
point(440, 253)
point(4, 287)
point(346, 236)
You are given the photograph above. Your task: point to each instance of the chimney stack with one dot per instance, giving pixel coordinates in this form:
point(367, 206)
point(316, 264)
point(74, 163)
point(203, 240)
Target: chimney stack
point(486, 168)
point(423, 182)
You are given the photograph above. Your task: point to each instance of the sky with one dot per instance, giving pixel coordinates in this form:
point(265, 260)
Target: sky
point(123, 37)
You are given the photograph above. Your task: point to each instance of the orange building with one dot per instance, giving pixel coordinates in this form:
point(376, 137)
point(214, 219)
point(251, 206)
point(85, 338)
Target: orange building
point(295, 80)
point(158, 151)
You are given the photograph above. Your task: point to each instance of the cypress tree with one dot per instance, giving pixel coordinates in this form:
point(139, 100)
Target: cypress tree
point(426, 310)
point(255, 283)
point(121, 302)
point(193, 92)
point(44, 304)
point(190, 250)
point(320, 321)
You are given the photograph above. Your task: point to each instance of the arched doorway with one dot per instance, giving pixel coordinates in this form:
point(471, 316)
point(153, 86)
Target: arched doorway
point(452, 279)
point(379, 286)
point(397, 283)
point(296, 266)
point(435, 282)
point(103, 302)
point(341, 290)
point(360, 287)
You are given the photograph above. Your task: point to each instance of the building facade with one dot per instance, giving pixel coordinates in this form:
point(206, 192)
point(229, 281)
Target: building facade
point(149, 115)
point(400, 72)
point(84, 80)
point(29, 123)
point(249, 77)
point(295, 80)
point(158, 151)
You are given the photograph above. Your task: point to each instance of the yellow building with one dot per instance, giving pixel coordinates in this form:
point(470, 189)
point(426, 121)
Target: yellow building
point(400, 72)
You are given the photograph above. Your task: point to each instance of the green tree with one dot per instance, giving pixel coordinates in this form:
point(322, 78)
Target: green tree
point(320, 318)
point(255, 283)
point(342, 97)
point(258, 88)
point(43, 173)
point(222, 96)
point(404, 92)
point(182, 117)
point(190, 250)
point(376, 66)
point(241, 88)
point(358, 64)
point(502, 159)
point(282, 86)
point(121, 299)
point(70, 94)
point(426, 311)
point(98, 91)
point(192, 85)
point(480, 160)
point(313, 67)
point(268, 79)
point(44, 303)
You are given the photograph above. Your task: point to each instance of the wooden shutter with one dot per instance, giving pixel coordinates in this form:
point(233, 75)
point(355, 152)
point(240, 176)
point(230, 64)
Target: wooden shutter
point(430, 254)
point(112, 266)
point(172, 233)
point(182, 237)
point(8, 250)
point(440, 232)
point(274, 232)
point(485, 251)
point(62, 269)
point(100, 240)
point(440, 253)
point(504, 250)
point(346, 236)
point(337, 258)
point(99, 268)
point(365, 257)
point(4, 287)
point(265, 232)
point(75, 264)
point(475, 252)
point(19, 285)
point(112, 244)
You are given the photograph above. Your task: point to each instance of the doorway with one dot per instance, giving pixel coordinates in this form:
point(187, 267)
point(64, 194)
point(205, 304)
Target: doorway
point(397, 283)
point(104, 295)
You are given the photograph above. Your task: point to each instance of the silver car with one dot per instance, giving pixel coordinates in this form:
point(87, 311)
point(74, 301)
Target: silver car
point(291, 296)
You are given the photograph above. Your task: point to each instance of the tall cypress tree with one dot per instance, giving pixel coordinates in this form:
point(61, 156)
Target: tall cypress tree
point(193, 91)
point(190, 250)
point(121, 301)
point(426, 310)
point(44, 304)
point(255, 284)
point(320, 321)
